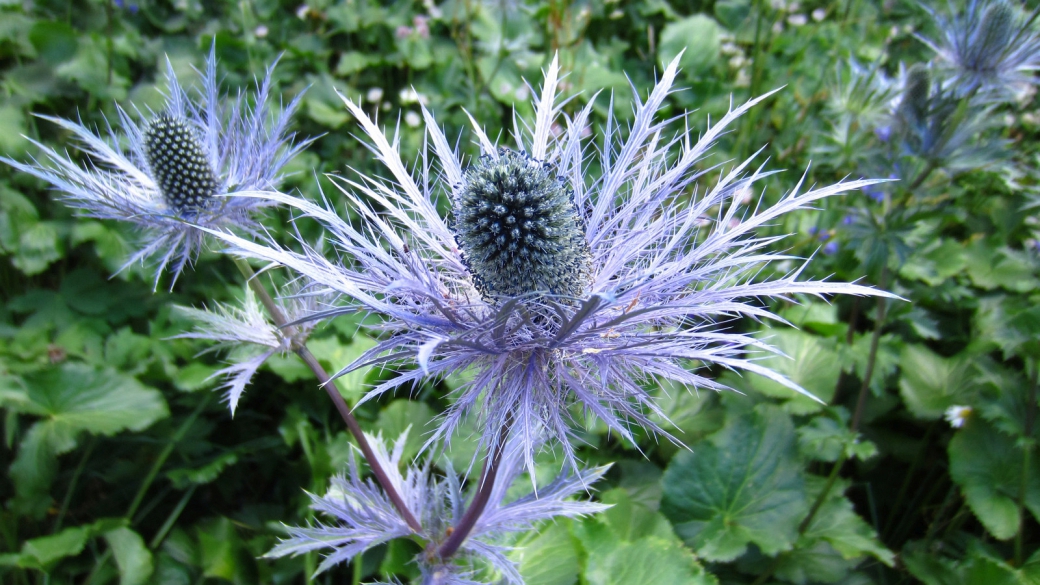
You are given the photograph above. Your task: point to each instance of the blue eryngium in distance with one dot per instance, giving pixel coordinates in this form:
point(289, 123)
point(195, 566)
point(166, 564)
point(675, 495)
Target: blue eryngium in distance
point(629, 274)
point(990, 47)
point(180, 167)
point(365, 517)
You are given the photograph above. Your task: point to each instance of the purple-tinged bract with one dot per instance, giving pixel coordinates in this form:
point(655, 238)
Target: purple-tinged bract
point(365, 517)
point(180, 167)
point(645, 266)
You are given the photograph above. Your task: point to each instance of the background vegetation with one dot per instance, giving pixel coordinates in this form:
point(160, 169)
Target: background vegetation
point(122, 465)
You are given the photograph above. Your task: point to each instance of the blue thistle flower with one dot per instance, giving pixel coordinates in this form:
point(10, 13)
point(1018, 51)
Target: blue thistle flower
point(990, 46)
point(644, 266)
point(365, 517)
point(180, 169)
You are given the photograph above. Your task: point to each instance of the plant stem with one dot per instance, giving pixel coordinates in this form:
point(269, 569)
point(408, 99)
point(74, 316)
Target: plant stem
point(163, 456)
point(72, 484)
point(172, 518)
point(332, 390)
point(480, 499)
point(875, 341)
point(905, 488)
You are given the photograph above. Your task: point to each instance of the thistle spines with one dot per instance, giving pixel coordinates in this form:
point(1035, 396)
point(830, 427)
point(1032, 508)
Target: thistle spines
point(179, 163)
point(519, 229)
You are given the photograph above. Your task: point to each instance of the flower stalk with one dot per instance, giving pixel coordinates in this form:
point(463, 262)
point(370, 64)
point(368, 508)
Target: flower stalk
point(300, 349)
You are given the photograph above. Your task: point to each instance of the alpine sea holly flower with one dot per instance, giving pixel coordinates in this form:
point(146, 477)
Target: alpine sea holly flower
point(249, 336)
point(991, 47)
point(179, 169)
point(549, 286)
point(365, 517)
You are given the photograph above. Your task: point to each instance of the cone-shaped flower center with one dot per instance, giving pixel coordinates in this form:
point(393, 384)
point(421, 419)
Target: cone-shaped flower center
point(519, 229)
point(179, 163)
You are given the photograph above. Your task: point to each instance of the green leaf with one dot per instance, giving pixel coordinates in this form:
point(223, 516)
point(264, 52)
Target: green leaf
point(987, 465)
point(203, 474)
point(71, 399)
point(132, 556)
point(929, 383)
point(550, 558)
point(1011, 323)
point(808, 361)
point(824, 438)
point(54, 40)
point(698, 35)
point(647, 560)
point(991, 268)
point(837, 523)
point(856, 358)
point(401, 415)
point(741, 488)
point(37, 248)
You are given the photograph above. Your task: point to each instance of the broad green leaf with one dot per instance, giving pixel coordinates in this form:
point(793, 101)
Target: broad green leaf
point(1011, 323)
point(12, 131)
point(647, 560)
point(808, 361)
point(935, 262)
point(987, 465)
point(44, 551)
point(837, 523)
point(401, 415)
point(991, 268)
point(631, 520)
point(978, 567)
point(929, 383)
point(698, 35)
point(70, 399)
point(741, 488)
point(55, 41)
point(550, 558)
point(38, 247)
point(132, 556)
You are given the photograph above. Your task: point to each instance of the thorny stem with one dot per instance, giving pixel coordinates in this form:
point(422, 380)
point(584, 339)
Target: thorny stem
point(332, 390)
point(480, 499)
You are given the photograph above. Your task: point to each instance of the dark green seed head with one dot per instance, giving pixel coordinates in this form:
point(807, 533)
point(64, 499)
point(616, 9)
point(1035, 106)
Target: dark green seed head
point(519, 229)
point(995, 33)
point(179, 164)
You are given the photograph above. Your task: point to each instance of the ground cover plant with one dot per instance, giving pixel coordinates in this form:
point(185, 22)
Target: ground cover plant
point(208, 208)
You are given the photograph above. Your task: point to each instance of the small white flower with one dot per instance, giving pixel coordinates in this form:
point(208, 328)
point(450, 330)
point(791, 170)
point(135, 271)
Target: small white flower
point(778, 27)
point(374, 95)
point(412, 119)
point(819, 14)
point(522, 93)
point(616, 14)
point(261, 31)
point(797, 20)
point(958, 415)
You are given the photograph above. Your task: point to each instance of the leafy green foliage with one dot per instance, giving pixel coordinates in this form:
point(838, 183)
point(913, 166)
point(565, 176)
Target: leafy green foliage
point(123, 467)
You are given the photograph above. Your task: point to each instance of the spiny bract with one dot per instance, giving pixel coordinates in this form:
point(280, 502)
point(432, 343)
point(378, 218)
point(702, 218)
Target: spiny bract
point(669, 263)
point(518, 228)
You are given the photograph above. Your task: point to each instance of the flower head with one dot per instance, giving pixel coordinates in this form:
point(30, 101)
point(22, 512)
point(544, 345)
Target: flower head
point(990, 47)
point(179, 169)
point(365, 517)
point(553, 288)
point(957, 415)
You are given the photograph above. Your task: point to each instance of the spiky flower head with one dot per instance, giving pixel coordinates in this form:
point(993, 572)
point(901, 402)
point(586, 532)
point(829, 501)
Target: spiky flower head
point(938, 125)
point(518, 228)
point(667, 262)
point(180, 168)
point(364, 517)
point(990, 47)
